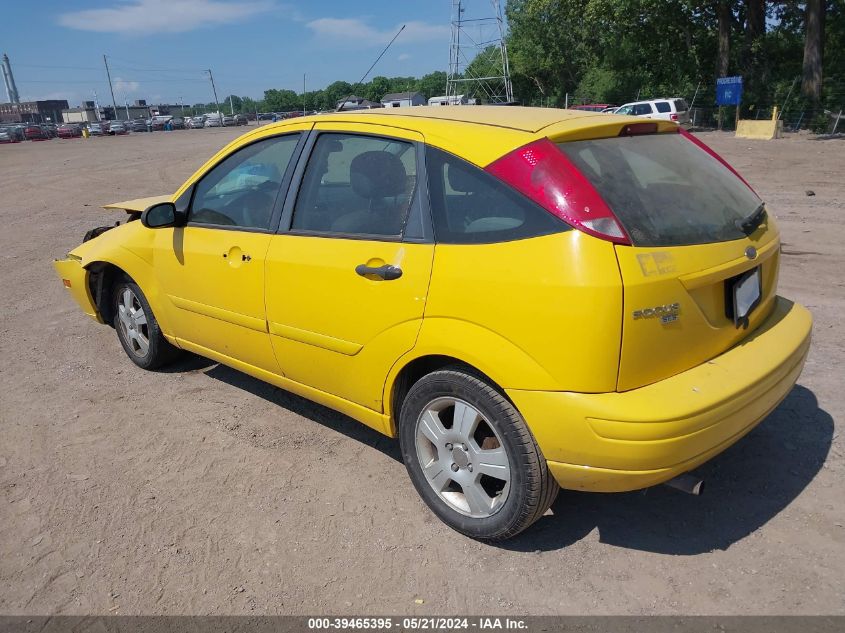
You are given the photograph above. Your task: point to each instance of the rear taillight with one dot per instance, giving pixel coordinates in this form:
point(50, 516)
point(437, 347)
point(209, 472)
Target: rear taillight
point(540, 171)
point(707, 149)
point(674, 117)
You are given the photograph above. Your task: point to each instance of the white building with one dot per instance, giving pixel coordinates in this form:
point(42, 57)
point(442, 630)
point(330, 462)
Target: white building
point(402, 99)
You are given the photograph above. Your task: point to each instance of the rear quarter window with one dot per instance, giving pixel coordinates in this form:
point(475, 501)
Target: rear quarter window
point(469, 206)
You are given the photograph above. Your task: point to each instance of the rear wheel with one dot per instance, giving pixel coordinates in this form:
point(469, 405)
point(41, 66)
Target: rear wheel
point(137, 328)
point(471, 456)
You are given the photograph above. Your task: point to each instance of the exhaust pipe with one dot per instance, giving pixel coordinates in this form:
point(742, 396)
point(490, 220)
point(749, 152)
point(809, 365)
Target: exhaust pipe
point(687, 483)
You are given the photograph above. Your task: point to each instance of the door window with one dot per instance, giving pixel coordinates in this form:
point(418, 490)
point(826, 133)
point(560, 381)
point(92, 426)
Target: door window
point(359, 185)
point(241, 190)
point(663, 107)
point(641, 109)
point(470, 206)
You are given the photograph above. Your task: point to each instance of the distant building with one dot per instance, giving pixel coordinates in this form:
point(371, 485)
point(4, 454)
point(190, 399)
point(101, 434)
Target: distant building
point(33, 111)
point(80, 115)
point(357, 103)
point(402, 99)
point(453, 100)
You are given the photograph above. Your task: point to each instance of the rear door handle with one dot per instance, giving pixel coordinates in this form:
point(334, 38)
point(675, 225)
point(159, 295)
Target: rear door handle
point(386, 272)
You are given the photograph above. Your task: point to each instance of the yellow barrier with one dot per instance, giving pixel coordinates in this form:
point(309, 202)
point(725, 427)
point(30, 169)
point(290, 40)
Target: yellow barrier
point(762, 130)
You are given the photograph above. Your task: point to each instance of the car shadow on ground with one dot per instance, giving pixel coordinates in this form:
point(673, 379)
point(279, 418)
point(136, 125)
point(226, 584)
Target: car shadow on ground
point(307, 409)
point(745, 487)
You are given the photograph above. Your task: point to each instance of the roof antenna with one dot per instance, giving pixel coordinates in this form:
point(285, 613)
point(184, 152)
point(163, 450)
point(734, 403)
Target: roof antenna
point(360, 81)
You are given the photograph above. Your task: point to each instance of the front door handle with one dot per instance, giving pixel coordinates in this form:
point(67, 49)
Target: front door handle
point(386, 272)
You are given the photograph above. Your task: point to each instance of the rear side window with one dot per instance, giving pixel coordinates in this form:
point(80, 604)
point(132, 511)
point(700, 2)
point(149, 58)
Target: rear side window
point(663, 106)
point(472, 207)
point(357, 185)
point(664, 190)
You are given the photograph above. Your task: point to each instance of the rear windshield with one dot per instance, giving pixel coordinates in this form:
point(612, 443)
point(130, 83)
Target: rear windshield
point(681, 105)
point(664, 189)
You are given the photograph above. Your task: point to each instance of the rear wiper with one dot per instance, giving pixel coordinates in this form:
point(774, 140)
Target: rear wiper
point(750, 222)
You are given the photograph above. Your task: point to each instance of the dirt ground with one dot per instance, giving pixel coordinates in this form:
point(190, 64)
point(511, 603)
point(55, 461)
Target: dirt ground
point(199, 490)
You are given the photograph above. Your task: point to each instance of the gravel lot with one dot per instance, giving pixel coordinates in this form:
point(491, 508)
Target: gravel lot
point(200, 490)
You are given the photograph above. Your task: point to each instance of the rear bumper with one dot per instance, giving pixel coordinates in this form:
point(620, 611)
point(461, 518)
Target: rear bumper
point(613, 442)
point(75, 279)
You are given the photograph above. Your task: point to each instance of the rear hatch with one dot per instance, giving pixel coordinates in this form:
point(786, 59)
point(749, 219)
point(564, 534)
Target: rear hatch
point(700, 269)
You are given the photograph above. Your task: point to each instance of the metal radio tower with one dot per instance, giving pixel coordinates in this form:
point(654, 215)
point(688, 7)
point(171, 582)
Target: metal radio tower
point(481, 39)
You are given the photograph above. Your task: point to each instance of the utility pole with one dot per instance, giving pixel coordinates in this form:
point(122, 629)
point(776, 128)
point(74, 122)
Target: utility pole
point(210, 76)
point(126, 105)
point(231, 107)
point(108, 74)
point(303, 94)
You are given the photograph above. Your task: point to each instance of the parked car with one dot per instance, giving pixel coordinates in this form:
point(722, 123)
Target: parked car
point(178, 123)
point(95, 129)
point(35, 133)
point(594, 107)
point(213, 121)
point(675, 109)
point(228, 120)
point(195, 122)
point(69, 130)
point(12, 134)
point(137, 125)
point(527, 324)
point(241, 119)
point(160, 122)
point(50, 130)
point(118, 128)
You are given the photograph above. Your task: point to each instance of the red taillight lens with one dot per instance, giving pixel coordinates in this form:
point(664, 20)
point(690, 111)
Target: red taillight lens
point(674, 117)
point(707, 149)
point(540, 171)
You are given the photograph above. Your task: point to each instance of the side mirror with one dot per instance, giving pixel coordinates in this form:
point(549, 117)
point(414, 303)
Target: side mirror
point(160, 215)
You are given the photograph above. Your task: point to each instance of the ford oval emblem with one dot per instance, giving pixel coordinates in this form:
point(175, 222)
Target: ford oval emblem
point(751, 252)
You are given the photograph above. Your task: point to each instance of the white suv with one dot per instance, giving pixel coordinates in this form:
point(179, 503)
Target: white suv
point(674, 109)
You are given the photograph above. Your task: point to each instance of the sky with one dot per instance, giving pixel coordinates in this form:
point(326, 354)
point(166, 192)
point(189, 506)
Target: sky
point(158, 49)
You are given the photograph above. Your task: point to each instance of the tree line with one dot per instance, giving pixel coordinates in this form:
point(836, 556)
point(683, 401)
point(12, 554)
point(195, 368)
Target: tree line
point(613, 51)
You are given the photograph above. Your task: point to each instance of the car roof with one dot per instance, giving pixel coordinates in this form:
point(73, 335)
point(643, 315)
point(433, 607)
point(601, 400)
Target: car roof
point(479, 134)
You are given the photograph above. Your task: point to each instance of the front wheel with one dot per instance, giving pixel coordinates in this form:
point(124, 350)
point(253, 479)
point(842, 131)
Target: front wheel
point(471, 456)
point(137, 328)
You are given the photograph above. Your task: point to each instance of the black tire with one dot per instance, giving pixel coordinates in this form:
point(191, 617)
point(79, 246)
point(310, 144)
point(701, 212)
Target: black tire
point(157, 351)
point(531, 489)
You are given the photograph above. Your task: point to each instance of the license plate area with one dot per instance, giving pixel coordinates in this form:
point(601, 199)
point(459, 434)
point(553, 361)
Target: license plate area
point(742, 294)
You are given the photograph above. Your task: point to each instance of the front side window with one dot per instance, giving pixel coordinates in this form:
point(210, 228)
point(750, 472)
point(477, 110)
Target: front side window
point(241, 190)
point(469, 206)
point(358, 185)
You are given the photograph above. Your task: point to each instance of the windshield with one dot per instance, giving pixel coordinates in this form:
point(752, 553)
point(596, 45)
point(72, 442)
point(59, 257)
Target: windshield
point(664, 190)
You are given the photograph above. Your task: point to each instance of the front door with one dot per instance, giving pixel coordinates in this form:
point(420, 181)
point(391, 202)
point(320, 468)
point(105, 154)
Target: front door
point(347, 283)
point(212, 270)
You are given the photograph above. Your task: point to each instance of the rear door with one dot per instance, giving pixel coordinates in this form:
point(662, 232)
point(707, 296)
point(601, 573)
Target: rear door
point(348, 275)
point(696, 279)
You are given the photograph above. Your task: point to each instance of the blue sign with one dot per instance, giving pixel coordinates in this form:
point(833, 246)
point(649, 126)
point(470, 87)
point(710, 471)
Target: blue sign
point(728, 90)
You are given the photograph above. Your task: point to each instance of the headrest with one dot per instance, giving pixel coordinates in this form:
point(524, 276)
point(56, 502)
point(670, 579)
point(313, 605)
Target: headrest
point(377, 175)
point(462, 179)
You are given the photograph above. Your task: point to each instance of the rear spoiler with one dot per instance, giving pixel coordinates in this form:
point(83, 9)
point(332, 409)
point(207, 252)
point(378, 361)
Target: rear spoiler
point(138, 205)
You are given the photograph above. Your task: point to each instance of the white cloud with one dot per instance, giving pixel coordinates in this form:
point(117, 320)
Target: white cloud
point(123, 86)
point(403, 57)
point(147, 17)
point(357, 30)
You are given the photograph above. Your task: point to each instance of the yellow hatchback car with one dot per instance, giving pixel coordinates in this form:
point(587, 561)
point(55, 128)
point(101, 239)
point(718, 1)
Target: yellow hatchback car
point(528, 298)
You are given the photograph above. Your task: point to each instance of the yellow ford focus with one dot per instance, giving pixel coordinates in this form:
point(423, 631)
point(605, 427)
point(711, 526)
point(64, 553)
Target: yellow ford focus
point(528, 298)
